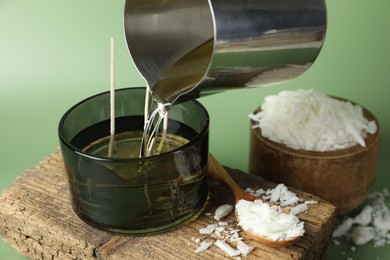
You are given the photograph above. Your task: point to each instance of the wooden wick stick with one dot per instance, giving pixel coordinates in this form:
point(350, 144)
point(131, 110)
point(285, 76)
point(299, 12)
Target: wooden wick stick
point(112, 98)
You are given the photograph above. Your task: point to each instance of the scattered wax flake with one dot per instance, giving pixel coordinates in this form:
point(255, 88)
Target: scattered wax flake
point(311, 120)
point(311, 202)
point(380, 243)
point(244, 248)
point(235, 239)
point(276, 193)
point(234, 231)
point(382, 222)
point(298, 209)
point(249, 190)
point(362, 235)
point(225, 247)
point(220, 229)
point(204, 246)
point(364, 217)
point(289, 201)
point(253, 117)
point(336, 242)
point(209, 229)
point(281, 195)
point(372, 223)
point(343, 228)
point(218, 233)
point(222, 211)
point(372, 127)
point(259, 192)
point(208, 214)
point(223, 231)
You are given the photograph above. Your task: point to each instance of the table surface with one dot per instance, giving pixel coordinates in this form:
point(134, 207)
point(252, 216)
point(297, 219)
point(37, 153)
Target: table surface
point(33, 205)
point(54, 54)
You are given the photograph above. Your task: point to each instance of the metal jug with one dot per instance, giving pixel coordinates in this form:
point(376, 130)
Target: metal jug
point(190, 48)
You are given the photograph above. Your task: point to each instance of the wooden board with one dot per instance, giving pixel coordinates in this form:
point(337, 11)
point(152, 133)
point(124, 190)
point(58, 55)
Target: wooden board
point(36, 218)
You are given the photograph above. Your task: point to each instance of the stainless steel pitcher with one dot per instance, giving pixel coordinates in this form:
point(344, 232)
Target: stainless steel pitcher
point(190, 48)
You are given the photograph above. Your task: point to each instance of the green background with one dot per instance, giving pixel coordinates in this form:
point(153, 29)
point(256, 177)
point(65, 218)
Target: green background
point(55, 53)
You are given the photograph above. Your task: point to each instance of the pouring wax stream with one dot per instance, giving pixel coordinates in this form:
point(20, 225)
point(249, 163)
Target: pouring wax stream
point(177, 79)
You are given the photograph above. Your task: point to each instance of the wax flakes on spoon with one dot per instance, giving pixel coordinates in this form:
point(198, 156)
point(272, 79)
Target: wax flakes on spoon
point(228, 231)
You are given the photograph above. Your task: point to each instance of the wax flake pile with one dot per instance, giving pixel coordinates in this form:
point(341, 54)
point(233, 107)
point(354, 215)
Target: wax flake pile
point(312, 121)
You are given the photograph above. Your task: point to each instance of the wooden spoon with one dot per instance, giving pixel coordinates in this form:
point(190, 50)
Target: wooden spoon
point(216, 170)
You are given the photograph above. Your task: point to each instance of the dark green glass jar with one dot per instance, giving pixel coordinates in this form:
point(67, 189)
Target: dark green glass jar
point(129, 194)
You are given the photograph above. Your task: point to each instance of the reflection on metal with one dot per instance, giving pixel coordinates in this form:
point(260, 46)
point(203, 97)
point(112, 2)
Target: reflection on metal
point(203, 47)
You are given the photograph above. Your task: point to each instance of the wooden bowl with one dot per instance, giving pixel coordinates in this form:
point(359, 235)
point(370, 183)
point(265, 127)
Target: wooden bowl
point(343, 177)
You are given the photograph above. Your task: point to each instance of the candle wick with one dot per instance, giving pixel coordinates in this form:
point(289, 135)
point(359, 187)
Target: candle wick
point(112, 98)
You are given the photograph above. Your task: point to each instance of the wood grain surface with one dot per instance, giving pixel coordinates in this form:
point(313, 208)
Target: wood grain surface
point(36, 218)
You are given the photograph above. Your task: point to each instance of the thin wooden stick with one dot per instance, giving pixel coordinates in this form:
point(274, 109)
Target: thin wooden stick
point(147, 125)
point(112, 98)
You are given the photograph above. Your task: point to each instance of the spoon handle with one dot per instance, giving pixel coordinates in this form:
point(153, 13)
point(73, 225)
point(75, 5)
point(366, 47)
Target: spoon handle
point(216, 170)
